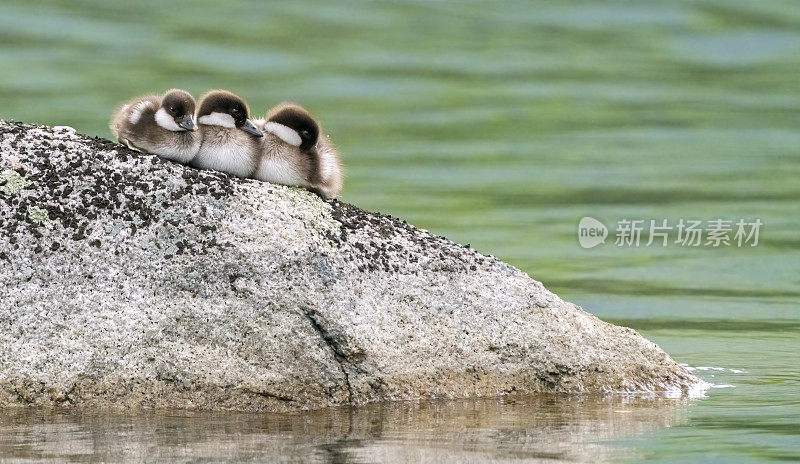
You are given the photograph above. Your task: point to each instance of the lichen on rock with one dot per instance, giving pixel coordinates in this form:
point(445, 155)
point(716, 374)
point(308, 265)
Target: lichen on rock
point(39, 216)
point(164, 286)
point(11, 183)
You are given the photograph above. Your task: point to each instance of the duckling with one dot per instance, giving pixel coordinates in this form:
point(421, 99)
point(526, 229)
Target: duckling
point(229, 140)
point(294, 153)
point(163, 126)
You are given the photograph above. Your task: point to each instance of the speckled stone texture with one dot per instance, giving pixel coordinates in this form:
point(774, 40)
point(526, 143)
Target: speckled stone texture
point(129, 281)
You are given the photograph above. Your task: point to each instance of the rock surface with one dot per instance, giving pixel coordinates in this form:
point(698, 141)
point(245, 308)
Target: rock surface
point(126, 280)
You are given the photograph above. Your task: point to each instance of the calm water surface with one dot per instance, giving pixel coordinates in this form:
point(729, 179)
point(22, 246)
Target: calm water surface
point(500, 125)
point(549, 428)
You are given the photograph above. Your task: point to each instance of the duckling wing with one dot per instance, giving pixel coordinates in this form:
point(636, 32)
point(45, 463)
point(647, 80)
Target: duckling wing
point(130, 145)
point(129, 114)
point(328, 179)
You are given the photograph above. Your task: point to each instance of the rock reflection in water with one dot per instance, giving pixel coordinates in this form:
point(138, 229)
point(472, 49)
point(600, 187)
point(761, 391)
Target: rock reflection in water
point(551, 428)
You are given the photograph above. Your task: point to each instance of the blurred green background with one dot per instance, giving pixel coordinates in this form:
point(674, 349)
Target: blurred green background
point(501, 124)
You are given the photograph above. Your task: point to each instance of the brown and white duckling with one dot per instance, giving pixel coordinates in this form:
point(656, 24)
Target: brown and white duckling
point(163, 126)
point(230, 142)
point(293, 152)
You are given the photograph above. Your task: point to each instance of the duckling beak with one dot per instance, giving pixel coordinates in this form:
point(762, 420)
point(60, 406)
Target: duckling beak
point(251, 129)
point(187, 122)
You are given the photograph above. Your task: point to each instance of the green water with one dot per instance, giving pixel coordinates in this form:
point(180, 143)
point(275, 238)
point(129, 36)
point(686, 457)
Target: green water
point(498, 124)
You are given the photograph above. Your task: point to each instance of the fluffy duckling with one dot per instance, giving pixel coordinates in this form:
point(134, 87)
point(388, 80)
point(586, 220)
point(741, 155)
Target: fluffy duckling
point(293, 152)
point(163, 126)
point(230, 142)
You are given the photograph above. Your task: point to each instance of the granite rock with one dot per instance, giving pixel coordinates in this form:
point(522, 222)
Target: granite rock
point(130, 281)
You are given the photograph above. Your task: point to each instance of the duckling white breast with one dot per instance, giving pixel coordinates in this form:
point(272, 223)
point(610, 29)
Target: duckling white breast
point(181, 147)
point(281, 163)
point(226, 150)
point(279, 171)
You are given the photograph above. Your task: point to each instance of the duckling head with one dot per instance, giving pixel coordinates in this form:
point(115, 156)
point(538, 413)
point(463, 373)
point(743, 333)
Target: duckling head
point(294, 125)
point(223, 108)
point(177, 111)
